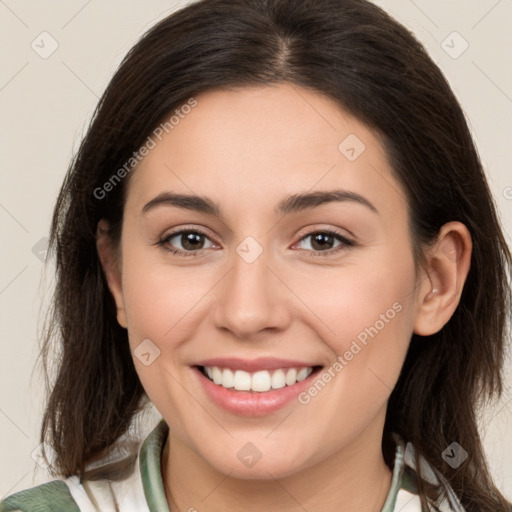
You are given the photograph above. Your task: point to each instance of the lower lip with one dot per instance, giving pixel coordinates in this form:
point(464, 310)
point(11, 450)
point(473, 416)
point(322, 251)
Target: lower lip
point(247, 403)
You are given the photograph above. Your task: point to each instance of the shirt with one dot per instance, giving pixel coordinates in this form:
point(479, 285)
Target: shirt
point(143, 489)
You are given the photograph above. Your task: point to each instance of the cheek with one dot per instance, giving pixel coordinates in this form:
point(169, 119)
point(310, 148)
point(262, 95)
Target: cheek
point(160, 304)
point(365, 315)
point(160, 299)
point(372, 327)
point(360, 302)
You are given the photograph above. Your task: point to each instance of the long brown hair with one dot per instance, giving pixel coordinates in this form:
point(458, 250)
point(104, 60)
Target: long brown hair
point(353, 52)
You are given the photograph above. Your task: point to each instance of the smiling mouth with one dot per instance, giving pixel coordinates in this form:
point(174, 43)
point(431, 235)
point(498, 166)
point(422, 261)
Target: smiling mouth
point(258, 382)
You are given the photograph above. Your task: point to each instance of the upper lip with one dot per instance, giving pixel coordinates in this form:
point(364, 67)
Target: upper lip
point(261, 363)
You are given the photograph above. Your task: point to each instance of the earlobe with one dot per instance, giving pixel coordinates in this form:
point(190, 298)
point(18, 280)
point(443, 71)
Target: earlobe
point(440, 291)
point(111, 270)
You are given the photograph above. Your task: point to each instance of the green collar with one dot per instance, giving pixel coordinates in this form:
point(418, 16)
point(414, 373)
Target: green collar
point(152, 483)
point(150, 468)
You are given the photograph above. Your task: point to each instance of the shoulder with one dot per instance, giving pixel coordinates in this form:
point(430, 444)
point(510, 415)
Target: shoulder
point(123, 484)
point(51, 496)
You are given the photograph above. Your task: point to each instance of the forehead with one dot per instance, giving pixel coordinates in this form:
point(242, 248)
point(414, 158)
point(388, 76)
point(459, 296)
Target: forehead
point(252, 146)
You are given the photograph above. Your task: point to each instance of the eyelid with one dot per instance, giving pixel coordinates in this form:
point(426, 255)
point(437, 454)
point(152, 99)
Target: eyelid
point(342, 233)
point(192, 228)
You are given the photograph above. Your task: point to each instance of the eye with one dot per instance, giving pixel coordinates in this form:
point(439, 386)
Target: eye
point(191, 242)
point(324, 241)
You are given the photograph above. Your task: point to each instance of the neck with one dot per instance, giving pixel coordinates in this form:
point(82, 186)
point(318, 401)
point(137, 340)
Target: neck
point(354, 479)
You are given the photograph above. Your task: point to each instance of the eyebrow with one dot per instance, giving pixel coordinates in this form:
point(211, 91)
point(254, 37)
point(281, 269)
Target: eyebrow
point(290, 204)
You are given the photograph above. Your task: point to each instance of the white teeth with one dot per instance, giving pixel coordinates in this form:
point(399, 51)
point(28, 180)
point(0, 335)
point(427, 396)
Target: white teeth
point(217, 375)
point(302, 374)
point(291, 376)
point(259, 381)
point(278, 380)
point(228, 378)
point(242, 381)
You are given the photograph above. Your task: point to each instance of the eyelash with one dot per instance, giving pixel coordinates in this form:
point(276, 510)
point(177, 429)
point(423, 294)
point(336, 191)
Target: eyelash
point(346, 243)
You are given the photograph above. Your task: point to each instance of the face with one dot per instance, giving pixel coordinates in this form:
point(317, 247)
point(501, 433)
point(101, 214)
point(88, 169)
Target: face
point(294, 272)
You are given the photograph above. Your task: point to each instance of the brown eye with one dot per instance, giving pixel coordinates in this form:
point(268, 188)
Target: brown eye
point(190, 240)
point(185, 241)
point(326, 241)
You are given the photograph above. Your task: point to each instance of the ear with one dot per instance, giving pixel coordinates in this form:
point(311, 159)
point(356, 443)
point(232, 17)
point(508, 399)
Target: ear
point(440, 290)
point(111, 268)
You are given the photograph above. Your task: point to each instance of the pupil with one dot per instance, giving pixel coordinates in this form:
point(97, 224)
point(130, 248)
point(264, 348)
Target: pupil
point(320, 239)
point(190, 238)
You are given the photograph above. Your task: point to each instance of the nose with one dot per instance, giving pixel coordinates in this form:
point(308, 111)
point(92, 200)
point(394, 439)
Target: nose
point(252, 297)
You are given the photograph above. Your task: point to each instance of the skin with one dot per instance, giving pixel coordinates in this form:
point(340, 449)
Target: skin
point(247, 149)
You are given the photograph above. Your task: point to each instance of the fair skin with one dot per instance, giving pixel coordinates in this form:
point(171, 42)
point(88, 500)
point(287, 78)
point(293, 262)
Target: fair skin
point(247, 149)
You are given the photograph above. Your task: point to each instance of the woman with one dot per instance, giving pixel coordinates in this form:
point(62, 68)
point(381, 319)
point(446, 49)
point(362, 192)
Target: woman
point(277, 231)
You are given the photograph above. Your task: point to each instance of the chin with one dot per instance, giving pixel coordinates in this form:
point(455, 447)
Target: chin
point(245, 461)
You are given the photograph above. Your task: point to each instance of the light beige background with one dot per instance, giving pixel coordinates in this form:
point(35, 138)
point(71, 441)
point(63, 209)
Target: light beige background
point(45, 104)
